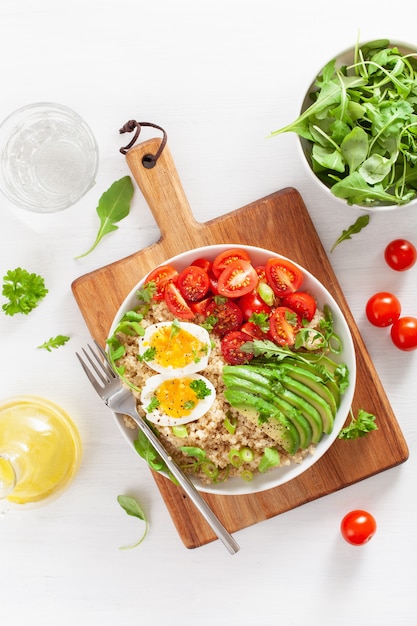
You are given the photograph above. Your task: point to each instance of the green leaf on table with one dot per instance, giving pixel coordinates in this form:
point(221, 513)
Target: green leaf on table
point(24, 291)
point(132, 507)
point(54, 342)
point(113, 206)
point(360, 223)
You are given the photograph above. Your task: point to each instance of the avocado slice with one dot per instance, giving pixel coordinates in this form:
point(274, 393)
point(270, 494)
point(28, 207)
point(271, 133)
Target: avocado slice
point(308, 411)
point(260, 386)
point(311, 380)
point(266, 416)
point(323, 407)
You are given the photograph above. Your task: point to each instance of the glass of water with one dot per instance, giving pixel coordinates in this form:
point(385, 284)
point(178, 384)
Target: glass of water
point(48, 157)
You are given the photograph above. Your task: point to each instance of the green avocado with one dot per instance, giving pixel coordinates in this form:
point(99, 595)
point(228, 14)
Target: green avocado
point(266, 416)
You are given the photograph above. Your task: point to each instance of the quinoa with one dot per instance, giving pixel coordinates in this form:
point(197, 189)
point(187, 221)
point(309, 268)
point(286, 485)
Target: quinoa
point(209, 432)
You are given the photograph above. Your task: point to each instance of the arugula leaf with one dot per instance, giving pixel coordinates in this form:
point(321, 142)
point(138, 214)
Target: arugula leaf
point(360, 426)
point(132, 507)
point(54, 342)
point(113, 206)
point(360, 223)
point(24, 291)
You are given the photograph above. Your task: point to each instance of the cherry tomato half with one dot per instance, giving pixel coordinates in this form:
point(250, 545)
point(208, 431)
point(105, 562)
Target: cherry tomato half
point(302, 303)
point(224, 259)
point(283, 276)
point(176, 303)
point(161, 276)
point(283, 326)
point(404, 333)
point(252, 303)
point(237, 279)
point(225, 314)
point(400, 255)
point(231, 348)
point(193, 283)
point(358, 527)
point(383, 309)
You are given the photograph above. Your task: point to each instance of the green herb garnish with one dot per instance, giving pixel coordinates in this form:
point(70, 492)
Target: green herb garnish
point(132, 507)
point(54, 342)
point(200, 388)
point(23, 290)
point(360, 223)
point(113, 206)
point(360, 426)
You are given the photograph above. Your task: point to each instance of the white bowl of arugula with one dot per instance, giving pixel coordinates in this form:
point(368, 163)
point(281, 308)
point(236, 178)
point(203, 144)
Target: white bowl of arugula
point(358, 125)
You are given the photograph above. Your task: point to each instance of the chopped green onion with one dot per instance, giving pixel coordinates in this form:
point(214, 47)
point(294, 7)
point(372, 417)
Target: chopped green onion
point(235, 458)
point(266, 293)
point(180, 431)
point(247, 475)
point(210, 470)
point(230, 423)
point(246, 454)
point(270, 458)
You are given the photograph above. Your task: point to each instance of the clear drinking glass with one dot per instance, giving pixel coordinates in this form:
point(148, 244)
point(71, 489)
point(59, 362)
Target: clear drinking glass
point(48, 157)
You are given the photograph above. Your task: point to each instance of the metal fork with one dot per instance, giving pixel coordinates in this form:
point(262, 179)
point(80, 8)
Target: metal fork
point(120, 400)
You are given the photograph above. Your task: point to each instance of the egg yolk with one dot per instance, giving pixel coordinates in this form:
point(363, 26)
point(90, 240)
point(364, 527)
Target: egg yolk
point(176, 398)
point(176, 348)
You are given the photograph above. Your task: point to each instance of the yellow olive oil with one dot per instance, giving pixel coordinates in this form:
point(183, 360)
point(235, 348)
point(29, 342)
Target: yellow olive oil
point(41, 445)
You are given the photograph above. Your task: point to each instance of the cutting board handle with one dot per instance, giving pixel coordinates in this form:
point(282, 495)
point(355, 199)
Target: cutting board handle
point(162, 189)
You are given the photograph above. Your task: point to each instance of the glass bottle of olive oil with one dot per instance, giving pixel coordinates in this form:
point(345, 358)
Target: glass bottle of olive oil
point(40, 450)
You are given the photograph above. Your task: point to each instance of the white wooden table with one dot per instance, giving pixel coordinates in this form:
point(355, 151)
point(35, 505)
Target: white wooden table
point(219, 77)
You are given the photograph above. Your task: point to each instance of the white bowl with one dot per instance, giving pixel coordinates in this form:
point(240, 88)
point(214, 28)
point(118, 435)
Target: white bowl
point(278, 476)
point(346, 58)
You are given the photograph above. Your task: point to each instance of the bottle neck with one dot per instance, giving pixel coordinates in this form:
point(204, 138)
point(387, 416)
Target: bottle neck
point(8, 476)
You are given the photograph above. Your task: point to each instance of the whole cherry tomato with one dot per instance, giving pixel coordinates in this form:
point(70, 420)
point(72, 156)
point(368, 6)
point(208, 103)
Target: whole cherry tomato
point(404, 333)
point(400, 255)
point(358, 527)
point(383, 309)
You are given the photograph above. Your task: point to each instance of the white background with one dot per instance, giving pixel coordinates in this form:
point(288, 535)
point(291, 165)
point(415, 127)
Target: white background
point(219, 76)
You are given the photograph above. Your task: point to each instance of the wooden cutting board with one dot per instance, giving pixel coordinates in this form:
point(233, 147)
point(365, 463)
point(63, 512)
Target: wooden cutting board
point(279, 222)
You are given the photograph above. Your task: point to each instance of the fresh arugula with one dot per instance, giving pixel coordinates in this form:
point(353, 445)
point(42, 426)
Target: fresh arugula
point(362, 126)
point(353, 229)
point(113, 206)
point(360, 426)
point(54, 342)
point(24, 291)
point(132, 507)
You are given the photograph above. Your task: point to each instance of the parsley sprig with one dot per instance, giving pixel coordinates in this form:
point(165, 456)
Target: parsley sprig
point(359, 426)
point(24, 291)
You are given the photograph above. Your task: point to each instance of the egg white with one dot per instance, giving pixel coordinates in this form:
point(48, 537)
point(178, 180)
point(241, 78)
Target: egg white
point(192, 366)
point(157, 416)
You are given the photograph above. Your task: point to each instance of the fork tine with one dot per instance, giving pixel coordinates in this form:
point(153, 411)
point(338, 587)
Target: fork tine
point(93, 380)
point(105, 364)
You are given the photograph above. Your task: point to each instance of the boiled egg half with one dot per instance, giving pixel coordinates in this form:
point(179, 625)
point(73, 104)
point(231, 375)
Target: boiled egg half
point(171, 401)
point(178, 348)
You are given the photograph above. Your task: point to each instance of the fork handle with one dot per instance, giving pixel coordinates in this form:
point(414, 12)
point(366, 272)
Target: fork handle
point(186, 484)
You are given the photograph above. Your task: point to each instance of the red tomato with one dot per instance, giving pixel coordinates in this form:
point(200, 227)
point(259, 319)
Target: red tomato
point(252, 303)
point(226, 316)
point(205, 264)
point(400, 255)
point(283, 326)
point(383, 309)
point(283, 276)
point(358, 527)
point(404, 333)
point(176, 303)
point(302, 303)
point(161, 276)
point(200, 307)
point(237, 279)
point(193, 283)
point(261, 271)
point(253, 330)
point(224, 259)
point(231, 348)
